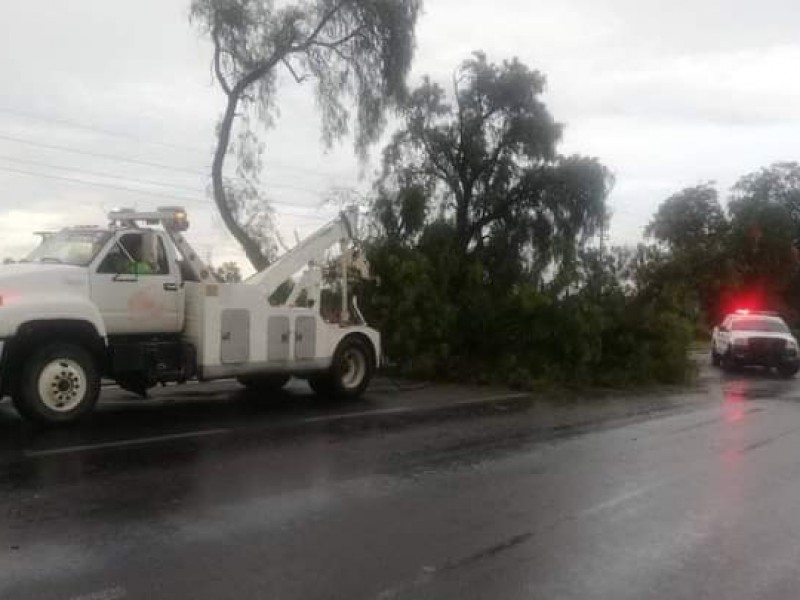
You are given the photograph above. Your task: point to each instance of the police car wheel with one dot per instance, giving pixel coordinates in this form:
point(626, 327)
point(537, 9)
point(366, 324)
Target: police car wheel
point(60, 383)
point(728, 362)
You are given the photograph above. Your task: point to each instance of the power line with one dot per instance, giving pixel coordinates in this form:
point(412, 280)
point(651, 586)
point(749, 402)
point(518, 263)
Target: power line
point(94, 129)
point(122, 135)
point(96, 184)
point(141, 192)
point(132, 161)
point(162, 166)
point(100, 174)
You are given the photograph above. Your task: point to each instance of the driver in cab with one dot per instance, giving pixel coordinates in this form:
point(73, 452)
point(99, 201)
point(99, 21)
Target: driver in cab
point(138, 265)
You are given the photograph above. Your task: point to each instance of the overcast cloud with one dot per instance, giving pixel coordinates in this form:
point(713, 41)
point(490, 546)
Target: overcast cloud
point(667, 94)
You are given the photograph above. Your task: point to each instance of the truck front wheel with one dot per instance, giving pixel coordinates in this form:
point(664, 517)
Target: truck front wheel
point(59, 383)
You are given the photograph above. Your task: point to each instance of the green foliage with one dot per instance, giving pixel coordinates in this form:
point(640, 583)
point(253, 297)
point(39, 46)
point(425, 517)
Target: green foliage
point(602, 334)
point(356, 54)
point(408, 305)
point(777, 185)
point(282, 293)
point(228, 272)
point(719, 261)
point(484, 158)
point(689, 220)
point(482, 266)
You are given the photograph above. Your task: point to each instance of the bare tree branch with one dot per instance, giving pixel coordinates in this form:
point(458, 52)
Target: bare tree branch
point(344, 40)
point(312, 38)
point(223, 83)
point(297, 78)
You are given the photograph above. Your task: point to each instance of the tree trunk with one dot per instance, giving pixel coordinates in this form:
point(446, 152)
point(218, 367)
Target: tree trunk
point(251, 248)
point(462, 224)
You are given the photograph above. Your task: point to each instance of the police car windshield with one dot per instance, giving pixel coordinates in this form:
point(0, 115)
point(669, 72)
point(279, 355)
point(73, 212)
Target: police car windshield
point(69, 247)
point(755, 324)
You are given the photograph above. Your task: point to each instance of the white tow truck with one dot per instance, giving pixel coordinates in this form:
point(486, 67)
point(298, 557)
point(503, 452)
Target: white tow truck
point(137, 305)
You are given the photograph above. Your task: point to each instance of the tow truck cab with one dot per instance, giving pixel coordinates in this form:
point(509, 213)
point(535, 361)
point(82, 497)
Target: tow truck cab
point(137, 305)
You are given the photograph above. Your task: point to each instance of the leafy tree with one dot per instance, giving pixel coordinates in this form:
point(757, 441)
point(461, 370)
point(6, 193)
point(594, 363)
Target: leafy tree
point(485, 157)
point(765, 218)
point(353, 50)
point(481, 265)
point(776, 185)
point(725, 262)
point(401, 215)
point(691, 219)
point(698, 265)
point(229, 272)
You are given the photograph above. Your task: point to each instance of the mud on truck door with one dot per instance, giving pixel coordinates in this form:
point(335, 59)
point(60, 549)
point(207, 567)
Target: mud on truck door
point(136, 286)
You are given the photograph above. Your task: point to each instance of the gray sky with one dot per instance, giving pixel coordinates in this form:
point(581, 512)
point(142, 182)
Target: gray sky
point(667, 94)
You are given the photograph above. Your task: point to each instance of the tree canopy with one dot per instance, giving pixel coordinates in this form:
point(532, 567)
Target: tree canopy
point(355, 52)
point(692, 218)
point(484, 156)
point(739, 257)
point(482, 255)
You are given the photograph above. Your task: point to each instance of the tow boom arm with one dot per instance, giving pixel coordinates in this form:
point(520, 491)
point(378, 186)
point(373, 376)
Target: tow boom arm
point(311, 250)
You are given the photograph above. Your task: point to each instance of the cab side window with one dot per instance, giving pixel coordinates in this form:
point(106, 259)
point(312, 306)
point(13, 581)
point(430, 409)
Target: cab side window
point(136, 254)
point(116, 262)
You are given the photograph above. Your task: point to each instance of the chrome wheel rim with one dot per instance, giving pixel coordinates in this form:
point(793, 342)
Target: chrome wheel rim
point(62, 385)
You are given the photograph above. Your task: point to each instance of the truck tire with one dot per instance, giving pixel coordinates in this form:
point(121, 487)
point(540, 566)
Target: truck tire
point(59, 383)
point(264, 383)
point(350, 373)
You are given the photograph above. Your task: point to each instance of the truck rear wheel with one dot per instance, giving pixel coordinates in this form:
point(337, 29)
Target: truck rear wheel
point(350, 373)
point(59, 383)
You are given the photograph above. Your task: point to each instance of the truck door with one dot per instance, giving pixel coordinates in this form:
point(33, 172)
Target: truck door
point(136, 285)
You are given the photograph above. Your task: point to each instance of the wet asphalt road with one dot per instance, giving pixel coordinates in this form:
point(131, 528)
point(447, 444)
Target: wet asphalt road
point(431, 492)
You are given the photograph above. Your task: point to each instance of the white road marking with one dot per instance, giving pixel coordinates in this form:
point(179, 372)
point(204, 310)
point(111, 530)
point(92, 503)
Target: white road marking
point(114, 593)
point(355, 415)
point(613, 503)
point(125, 443)
point(491, 399)
point(412, 409)
point(213, 432)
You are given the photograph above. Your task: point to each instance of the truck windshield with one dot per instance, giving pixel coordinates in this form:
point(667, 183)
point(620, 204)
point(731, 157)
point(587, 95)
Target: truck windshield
point(69, 247)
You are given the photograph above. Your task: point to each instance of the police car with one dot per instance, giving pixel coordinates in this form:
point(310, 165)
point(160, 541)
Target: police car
point(748, 338)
